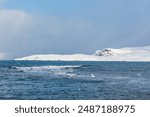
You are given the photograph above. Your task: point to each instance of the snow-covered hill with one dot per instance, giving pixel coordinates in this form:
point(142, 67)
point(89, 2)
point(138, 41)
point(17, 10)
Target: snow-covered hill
point(107, 54)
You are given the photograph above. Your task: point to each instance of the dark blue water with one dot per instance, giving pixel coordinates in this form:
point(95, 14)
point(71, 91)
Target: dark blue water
point(74, 80)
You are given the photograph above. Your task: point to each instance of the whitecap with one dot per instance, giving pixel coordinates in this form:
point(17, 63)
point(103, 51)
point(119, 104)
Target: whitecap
point(92, 75)
point(56, 71)
point(45, 68)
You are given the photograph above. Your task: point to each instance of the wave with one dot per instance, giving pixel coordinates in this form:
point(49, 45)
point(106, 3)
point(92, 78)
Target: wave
point(55, 71)
point(69, 71)
point(50, 67)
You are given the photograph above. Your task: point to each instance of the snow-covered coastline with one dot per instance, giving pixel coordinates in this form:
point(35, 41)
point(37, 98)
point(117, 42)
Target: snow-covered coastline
point(107, 54)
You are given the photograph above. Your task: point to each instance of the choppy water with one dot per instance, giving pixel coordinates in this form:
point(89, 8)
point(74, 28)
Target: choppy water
point(74, 80)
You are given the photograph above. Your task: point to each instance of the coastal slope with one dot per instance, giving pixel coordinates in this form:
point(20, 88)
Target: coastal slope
point(107, 54)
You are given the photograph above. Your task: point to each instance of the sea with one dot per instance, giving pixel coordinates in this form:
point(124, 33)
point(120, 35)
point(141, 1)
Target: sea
point(74, 80)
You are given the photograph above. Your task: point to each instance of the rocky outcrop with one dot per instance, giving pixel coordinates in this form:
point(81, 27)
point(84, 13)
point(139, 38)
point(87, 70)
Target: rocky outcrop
point(104, 52)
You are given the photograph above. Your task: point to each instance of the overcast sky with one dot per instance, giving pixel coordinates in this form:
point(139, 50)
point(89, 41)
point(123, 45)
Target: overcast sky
point(71, 26)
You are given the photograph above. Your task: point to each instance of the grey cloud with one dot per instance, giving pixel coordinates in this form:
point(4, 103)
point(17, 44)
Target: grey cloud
point(23, 34)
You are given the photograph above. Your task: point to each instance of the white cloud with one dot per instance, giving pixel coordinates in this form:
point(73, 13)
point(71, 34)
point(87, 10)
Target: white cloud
point(13, 22)
point(2, 56)
point(14, 26)
point(22, 33)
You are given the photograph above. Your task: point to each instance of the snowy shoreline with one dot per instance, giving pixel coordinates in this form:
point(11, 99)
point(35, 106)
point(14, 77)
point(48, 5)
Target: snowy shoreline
point(107, 54)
